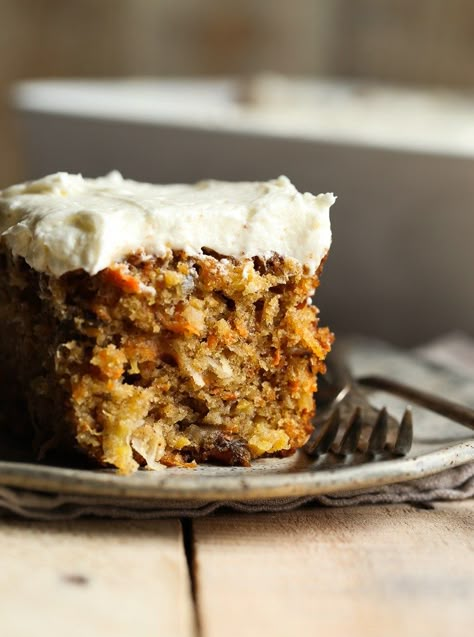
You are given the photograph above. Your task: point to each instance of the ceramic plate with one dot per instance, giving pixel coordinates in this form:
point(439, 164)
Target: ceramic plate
point(269, 478)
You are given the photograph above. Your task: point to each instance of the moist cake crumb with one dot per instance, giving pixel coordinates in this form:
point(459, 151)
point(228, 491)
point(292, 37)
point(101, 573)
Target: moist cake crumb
point(162, 360)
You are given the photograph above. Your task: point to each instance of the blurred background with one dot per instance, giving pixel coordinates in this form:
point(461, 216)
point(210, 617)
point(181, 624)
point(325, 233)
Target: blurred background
point(401, 162)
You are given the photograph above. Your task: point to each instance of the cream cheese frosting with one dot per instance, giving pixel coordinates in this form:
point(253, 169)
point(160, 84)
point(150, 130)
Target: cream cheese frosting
point(64, 222)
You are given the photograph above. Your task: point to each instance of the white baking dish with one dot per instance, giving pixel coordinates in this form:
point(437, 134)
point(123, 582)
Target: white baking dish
point(401, 163)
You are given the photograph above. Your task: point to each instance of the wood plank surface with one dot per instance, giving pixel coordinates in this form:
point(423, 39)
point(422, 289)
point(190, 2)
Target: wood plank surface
point(93, 578)
point(392, 570)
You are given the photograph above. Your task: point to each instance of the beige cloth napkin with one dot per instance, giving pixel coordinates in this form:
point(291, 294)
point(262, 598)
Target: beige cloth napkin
point(446, 366)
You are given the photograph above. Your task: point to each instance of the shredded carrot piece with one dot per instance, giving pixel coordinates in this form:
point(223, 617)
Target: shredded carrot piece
point(123, 280)
point(212, 341)
point(241, 328)
point(294, 386)
point(182, 327)
point(110, 362)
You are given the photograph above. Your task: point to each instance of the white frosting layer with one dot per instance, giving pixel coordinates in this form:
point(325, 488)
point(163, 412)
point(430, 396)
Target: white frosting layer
point(64, 222)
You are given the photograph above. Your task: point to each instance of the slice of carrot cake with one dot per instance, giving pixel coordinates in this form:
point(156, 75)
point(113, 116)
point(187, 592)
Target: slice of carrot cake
point(150, 325)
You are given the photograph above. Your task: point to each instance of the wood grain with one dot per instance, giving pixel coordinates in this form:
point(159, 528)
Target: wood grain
point(93, 578)
point(393, 570)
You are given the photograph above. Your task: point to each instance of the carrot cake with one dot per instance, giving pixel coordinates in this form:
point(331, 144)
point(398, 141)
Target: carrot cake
point(161, 325)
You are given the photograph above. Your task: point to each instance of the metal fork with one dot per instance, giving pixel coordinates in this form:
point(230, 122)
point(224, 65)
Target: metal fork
point(347, 424)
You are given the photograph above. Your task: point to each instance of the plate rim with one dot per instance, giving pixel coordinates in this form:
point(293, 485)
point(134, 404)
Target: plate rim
point(233, 487)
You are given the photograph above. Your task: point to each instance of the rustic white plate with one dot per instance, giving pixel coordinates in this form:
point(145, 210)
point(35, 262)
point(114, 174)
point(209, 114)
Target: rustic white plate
point(270, 478)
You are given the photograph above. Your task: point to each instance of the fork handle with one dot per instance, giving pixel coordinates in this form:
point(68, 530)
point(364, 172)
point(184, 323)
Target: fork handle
point(454, 411)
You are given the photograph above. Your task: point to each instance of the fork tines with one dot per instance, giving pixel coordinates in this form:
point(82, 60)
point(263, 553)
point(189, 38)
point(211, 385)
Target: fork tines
point(324, 436)
point(404, 439)
point(378, 437)
point(378, 432)
point(351, 439)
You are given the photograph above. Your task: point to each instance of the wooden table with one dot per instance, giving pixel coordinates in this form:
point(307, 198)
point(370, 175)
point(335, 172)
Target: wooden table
point(371, 570)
